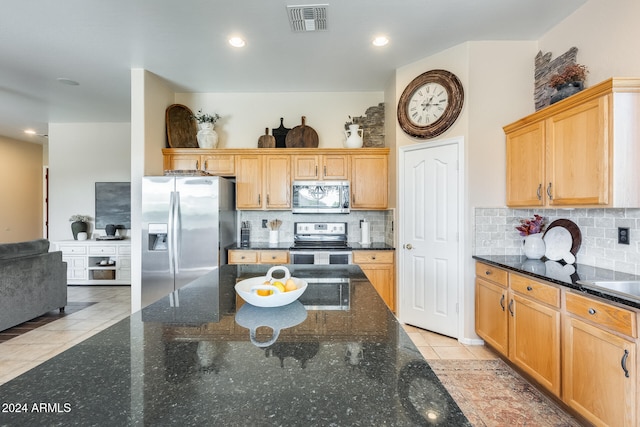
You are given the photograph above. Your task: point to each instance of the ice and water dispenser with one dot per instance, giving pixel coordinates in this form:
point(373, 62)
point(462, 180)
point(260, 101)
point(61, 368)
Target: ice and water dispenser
point(158, 237)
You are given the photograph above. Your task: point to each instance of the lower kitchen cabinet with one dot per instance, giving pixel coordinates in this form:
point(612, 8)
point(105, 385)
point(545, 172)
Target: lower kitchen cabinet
point(96, 262)
point(378, 266)
point(492, 323)
point(247, 256)
point(599, 369)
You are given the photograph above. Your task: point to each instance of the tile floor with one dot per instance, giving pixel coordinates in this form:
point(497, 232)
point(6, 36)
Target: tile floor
point(28, 350)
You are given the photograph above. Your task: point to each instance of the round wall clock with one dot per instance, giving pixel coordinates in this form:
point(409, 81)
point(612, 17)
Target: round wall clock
point(430, 104)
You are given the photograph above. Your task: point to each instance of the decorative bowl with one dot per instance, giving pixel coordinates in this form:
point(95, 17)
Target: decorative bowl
point(247, 289)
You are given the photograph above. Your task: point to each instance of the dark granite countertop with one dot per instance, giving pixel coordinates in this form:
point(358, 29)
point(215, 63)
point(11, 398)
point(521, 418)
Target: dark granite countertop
point(562, 274)
point(193, 364)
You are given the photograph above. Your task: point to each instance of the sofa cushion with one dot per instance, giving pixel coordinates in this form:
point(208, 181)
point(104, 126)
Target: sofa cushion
point(21, 249)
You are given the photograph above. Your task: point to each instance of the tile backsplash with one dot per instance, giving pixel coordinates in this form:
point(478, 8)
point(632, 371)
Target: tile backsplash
point(381, 224)
point(495, 234)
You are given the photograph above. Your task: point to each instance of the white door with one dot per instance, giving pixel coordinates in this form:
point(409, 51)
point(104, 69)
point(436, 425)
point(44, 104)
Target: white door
point(429, 258)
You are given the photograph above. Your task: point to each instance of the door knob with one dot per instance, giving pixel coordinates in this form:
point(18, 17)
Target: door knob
point(407, 246)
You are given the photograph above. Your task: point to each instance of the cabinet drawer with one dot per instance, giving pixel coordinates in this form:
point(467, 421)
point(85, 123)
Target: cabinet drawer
point(366, 257)
point(274, 257)
point(124, 250)
point(243, 257)
point(603, 314)
point(536, 290)
point(496, 275)
point(67, 250)
point(102, 250)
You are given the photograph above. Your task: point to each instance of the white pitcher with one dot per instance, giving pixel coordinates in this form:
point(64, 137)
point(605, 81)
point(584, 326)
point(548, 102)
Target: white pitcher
point(354, 137)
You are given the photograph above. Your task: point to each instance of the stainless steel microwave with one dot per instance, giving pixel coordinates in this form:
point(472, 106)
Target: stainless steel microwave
point(321, 197)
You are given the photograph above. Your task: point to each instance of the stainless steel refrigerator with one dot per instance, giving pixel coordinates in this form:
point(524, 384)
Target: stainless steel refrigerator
point(187, 221)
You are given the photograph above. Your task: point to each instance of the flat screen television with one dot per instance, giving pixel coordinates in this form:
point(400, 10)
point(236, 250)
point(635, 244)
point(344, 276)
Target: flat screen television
point(113, 204)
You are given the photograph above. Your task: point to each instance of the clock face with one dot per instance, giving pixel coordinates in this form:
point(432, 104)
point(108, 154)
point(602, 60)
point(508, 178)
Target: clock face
point(427, 104)
point(430, 104)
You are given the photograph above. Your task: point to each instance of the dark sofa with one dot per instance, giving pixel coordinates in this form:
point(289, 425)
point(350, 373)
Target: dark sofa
point(33, 281)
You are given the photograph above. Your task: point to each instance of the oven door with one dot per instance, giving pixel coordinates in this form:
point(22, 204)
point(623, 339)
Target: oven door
point(320, 257)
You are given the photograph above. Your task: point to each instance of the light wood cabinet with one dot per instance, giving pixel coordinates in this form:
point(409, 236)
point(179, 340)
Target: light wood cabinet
point(378, 266)
point(599, 369)
point(246, 256)
point(320, 166)
point(534, 324)
point(369, 181)
point(215, 164)
point(263, 182)
point(518, 317)
point(492, 323)
point(577, 152)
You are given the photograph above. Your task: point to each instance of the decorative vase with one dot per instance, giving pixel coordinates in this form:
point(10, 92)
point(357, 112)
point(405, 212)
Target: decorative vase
point(207, 137)
point(565, 90)
point(77, 227)
point(534, 247)
point(354, 137)
point(110, 229)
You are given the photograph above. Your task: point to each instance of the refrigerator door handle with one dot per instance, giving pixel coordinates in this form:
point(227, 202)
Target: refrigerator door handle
point(177, 232)
point(171, 233)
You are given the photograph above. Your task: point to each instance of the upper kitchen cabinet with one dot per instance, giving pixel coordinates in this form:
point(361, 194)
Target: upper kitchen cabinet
point(187, 159)
point(369, 181)
point(581, 151)
point(320, 166)
point(263, 182)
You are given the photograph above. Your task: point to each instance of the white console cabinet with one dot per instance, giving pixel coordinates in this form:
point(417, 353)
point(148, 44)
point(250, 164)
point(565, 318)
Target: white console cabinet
point(96, 262)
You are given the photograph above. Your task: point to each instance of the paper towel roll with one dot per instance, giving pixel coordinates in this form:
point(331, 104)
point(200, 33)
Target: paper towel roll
point(366, 238)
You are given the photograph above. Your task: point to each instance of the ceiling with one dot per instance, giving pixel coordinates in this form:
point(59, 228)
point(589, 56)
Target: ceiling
point(97, 42)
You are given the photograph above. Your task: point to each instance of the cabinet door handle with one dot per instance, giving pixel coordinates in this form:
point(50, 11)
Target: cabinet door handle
point(205, 164)
point(502, 302)
point(316, 173)
point(539, 191)
point(511, 308)
point(259, 199)
point(549, 192)
point(197, 164)
point(267, 200)
point(324, 170)
point(623, 363)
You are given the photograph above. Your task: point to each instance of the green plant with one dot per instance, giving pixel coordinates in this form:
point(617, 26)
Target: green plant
point(80, 218)
point(348, 123)
point(200, 117)
point(570, 73)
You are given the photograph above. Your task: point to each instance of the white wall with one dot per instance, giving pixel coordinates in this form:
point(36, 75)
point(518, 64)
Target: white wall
point(79, 155)
point(606, 34)
point(246, 115)
point(498, 82)
point(150, 97)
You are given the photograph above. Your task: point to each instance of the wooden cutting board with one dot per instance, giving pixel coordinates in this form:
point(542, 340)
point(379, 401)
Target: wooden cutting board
point(181, 127)
point(266, 140)
point(280, 134)
point(302, 136)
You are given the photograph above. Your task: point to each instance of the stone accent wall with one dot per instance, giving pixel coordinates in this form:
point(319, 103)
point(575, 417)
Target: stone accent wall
point(544, 69)
point(372, 125)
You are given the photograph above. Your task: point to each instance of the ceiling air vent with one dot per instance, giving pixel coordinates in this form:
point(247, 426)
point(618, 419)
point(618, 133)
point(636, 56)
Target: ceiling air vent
point(312, 17)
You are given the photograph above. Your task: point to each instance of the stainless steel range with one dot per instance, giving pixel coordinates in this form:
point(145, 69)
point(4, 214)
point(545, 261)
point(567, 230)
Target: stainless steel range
point(320, 243)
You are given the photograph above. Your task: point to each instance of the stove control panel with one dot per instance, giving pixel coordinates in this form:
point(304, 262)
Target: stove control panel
point(320, 228)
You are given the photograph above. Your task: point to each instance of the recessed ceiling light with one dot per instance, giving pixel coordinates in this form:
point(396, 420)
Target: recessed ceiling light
point(380, 41)
point(30, 132)
point(236, 42)
point(66, 81)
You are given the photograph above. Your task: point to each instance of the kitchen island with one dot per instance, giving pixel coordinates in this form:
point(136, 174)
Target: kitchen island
point(186, 360)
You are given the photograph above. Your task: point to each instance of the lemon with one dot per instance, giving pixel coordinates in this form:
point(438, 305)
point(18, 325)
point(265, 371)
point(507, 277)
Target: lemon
point(290, 285)
point(265, 292)
point(279, 285)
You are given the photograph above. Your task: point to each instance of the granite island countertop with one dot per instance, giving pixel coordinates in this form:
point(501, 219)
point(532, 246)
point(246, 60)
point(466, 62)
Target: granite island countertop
point(285, 246)
point(184, 360)
point(566, 275)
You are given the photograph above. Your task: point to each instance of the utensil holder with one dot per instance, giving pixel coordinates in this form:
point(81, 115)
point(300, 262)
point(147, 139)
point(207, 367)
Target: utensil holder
point(273, 236)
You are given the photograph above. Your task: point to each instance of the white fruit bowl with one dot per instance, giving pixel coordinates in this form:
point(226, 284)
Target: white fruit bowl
point(248, 288)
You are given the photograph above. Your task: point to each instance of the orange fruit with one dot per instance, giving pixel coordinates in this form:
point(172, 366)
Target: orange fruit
point(264, 292)
point(290, 285)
